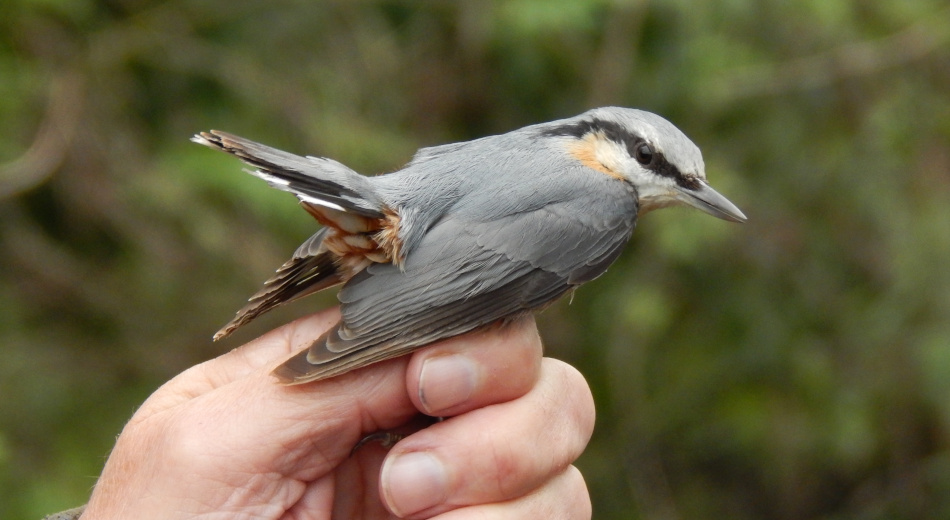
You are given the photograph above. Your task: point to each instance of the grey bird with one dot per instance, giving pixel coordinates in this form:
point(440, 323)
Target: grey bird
point(468, 234)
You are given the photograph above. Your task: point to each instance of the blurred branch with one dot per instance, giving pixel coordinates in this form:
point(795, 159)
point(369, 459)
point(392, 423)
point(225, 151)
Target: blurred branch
point(166, 37)
point(851, 60)
point(52, 271)
point(52, 139)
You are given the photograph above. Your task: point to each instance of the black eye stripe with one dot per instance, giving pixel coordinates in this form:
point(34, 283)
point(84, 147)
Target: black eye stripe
point(612, 131)
point(620, 135)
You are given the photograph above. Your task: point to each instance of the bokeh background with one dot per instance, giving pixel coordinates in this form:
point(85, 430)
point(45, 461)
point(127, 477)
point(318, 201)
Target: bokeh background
point(796, 367)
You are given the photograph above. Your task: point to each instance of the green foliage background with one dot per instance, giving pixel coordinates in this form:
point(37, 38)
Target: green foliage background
point(794, 367)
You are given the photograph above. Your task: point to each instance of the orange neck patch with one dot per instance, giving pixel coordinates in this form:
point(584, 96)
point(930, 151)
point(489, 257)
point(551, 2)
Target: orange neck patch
point(597, 153)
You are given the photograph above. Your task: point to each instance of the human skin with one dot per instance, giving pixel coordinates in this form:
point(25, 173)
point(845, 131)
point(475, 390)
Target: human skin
point(224, 440)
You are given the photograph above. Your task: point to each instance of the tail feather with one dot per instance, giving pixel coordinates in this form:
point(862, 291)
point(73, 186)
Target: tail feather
point(307, 272)
point(314, 180)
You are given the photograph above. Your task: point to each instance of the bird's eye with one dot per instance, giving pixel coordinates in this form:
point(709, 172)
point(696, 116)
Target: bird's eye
point(643, 153)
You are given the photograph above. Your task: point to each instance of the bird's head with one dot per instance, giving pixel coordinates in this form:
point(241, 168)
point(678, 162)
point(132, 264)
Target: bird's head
point(647, 151)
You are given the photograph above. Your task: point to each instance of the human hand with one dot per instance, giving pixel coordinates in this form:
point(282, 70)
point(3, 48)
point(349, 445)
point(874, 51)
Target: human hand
point(223, 440)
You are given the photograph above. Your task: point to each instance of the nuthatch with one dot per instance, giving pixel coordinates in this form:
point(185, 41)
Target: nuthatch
point(468, 234)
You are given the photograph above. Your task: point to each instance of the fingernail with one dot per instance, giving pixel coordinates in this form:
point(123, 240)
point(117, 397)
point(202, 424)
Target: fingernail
point(413, 482)
point(446, 381)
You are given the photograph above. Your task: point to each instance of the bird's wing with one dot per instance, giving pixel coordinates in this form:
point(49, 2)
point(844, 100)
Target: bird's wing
point(314, 180)
point(577, 238)
point(462, 275)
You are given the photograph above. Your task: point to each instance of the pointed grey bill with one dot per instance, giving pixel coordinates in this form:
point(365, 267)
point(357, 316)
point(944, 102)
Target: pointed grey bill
point(710, 201)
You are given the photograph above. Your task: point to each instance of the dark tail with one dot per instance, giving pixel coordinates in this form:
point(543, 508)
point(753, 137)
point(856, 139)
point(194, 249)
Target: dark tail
point(315, 180)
